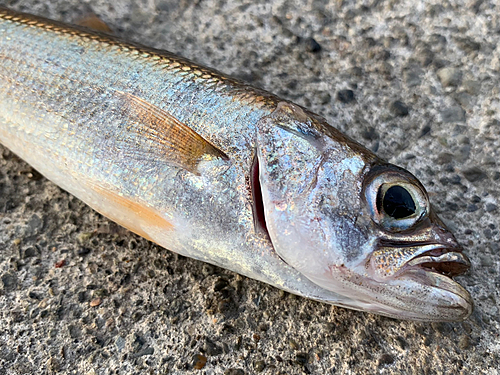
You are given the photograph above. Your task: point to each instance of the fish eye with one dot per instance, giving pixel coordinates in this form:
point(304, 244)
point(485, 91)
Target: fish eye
point(395, 198)
point(396, 202)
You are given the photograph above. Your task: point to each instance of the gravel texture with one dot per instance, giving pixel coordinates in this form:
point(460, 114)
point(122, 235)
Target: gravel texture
point(417, 82)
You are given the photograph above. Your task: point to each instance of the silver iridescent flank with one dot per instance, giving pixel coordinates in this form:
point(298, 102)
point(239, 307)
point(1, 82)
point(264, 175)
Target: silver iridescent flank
point(219, 171)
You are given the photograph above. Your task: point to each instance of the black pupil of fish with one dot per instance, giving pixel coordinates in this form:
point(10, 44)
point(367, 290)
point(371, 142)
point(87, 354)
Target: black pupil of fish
point(398, 203)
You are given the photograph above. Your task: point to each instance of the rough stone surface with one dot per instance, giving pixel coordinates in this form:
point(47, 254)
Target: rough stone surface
point(159, 310)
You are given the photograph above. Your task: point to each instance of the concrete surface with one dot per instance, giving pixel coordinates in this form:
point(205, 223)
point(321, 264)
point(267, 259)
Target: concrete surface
point(80, 295)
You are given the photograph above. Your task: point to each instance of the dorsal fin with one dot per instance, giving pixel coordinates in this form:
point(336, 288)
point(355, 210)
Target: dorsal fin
point(93, 22)
point(181, 145)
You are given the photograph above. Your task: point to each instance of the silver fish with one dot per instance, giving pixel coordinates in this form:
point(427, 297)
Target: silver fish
point(214, 169)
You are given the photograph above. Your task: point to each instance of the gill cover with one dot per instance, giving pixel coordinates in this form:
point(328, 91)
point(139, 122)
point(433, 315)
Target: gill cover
point(310, 188)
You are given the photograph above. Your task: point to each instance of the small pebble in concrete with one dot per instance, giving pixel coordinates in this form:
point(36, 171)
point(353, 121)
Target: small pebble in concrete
point(259, 366)
point(301, 358)
point(412, 75)
point(467, 44)
point(345, 96)
point(399, 108)
point(453, 114)
point(474, 174)
point(385, 359)
point(449, 76)
point(8, 281)
point(199, 361)
point(234, 371)
point(312, 45)
point(490, 207)
point(293, 344)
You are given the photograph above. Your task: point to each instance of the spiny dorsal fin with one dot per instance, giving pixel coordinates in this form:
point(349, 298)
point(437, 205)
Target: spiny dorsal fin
point(181, 145)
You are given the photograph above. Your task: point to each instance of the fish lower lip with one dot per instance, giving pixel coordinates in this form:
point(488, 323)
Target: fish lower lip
point(448, 263)
point(453, 301)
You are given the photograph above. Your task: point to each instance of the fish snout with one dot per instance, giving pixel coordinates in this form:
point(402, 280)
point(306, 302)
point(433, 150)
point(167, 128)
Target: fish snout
point(420, 276)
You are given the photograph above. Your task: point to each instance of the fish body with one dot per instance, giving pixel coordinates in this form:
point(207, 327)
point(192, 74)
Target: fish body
point(216, 170)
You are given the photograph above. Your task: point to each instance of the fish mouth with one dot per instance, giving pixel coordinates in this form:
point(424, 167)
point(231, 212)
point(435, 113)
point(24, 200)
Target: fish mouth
point(419, 280)
point(447, 262)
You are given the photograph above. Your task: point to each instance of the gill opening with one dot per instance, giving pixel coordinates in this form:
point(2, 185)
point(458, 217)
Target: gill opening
point(259, 217)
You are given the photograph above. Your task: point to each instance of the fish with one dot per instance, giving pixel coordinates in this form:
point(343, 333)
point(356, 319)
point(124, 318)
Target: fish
point(214, 169)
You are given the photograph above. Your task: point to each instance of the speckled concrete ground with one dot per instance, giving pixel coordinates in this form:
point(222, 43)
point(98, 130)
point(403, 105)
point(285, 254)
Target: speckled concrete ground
point(418, 83)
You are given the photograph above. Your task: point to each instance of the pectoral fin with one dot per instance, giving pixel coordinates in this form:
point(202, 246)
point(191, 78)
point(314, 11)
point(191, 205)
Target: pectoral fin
point(180, 145)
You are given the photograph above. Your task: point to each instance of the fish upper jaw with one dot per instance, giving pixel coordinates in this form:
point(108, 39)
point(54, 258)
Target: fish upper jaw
point(441, 260)
point(388, 261)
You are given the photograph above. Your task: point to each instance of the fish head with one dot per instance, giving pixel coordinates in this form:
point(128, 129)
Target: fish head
point(355, 225)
